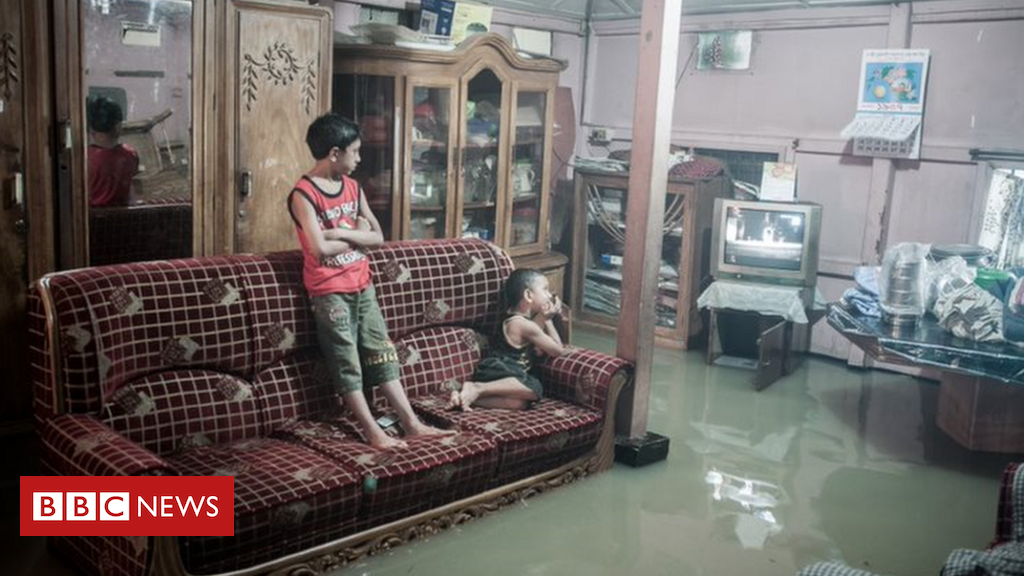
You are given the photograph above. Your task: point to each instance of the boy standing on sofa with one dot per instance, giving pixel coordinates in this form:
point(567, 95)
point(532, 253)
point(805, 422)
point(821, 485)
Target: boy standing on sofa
point(334, 223)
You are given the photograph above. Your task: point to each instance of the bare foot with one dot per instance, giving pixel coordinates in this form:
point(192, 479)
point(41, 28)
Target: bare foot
point(421, 429)
point(385, 442)
point(470, 392)
point(455, 401)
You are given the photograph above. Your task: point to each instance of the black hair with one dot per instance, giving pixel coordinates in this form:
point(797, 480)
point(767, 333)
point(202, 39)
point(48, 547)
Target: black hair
point(328, 131)
point(103, 114)
point(518, 281)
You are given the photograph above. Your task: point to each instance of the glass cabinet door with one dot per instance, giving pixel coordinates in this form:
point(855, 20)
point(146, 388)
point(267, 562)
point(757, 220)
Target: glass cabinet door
point(370, 102)
point(528, 168)
point(429, 162)
point(137, 80)
point(480, 169)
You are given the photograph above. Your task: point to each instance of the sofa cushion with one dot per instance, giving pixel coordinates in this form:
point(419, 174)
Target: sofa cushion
point(530, 441)
point(278, 307)
point(177, 410)
point(432, 356)
point(287, 498)
point(431, 471)
point(425, 283)
point(119, 323)
point(294, 389)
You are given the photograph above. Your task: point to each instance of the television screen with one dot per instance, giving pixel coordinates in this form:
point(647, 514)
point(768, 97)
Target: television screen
point(767, 239)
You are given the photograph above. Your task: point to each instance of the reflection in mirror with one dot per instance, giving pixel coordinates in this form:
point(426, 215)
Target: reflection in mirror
point(483, 127)
point(137, 66)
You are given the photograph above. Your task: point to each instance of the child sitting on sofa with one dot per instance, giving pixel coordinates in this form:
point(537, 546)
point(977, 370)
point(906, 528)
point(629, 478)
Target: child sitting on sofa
point(334, 224)
point(503, 379)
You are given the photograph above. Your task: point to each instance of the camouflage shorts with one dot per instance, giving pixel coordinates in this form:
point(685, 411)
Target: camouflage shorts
point(354, 340)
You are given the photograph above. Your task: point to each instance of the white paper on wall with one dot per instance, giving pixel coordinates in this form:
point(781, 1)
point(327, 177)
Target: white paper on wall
point(778, 182)
point(892, 127)
point(890, 104)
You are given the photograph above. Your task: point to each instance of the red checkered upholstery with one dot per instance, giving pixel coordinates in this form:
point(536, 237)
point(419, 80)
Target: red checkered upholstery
point(170, 412)
point(429, 473)
point(550, 433)
point(1008, 514)
point(439, 282)
point(81, 445)
point(581, 377)
point(433, 356)
point(212, 366)
point(287, 498)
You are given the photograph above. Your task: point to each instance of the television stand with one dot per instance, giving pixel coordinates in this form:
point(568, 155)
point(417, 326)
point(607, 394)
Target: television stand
point(762, 327)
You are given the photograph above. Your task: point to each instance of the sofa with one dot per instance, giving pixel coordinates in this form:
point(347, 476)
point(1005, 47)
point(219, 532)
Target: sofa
point(1004, 555)
point(210, 366)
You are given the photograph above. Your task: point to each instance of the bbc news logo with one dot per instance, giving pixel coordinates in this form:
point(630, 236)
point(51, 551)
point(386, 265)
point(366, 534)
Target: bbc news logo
point(127, 506)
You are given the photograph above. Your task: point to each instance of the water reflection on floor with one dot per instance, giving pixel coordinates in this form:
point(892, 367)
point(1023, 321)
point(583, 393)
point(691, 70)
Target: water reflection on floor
point(829, 463)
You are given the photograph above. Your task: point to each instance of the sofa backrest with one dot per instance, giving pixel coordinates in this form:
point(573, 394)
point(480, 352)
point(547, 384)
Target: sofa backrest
point(95, 331)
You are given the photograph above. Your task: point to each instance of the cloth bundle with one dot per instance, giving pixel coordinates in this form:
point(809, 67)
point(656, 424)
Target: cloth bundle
point(864, 296)
point(968, 311)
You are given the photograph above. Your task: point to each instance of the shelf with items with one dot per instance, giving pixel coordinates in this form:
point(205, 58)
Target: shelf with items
point(479, 205)
point(520, 198)
point(599, 238)
point(429, 144)
point(603, 280)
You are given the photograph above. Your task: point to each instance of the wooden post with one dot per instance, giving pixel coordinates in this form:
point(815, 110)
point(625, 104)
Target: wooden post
point(648, 178)
point(883, 175)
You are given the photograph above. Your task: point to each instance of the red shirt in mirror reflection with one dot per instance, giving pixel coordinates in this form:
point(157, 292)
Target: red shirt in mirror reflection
point(110, 174)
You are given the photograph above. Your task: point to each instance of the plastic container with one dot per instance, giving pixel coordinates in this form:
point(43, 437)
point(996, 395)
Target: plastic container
point(989, 278)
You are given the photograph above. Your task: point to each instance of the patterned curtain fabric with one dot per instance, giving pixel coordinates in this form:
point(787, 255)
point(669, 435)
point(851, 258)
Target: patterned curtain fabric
point(1003, 227)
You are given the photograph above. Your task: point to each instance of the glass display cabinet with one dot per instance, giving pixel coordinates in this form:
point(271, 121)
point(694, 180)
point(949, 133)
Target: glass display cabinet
point(456, 143)
point(598, 242)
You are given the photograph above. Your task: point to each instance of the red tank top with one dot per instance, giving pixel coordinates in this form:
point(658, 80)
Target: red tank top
point(110, 174)
point(347, 272)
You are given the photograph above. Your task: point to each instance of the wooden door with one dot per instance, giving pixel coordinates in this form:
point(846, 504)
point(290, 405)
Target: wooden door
point(277, 81)
point(26, 245)
point(772, 346)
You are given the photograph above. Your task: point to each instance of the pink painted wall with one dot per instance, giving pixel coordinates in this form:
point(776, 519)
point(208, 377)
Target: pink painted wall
point(802, 87)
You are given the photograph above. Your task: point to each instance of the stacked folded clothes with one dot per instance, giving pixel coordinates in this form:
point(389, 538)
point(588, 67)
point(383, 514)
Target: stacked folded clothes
point(864, 296)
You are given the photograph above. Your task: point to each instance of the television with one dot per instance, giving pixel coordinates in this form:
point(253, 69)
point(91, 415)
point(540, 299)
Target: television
point(771, 242)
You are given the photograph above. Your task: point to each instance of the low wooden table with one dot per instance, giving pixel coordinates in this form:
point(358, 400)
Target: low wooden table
point(981, 390)
point(760, 339)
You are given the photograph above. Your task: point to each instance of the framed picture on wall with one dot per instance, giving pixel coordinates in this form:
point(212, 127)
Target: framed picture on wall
point(893, 81)
point(724, 50)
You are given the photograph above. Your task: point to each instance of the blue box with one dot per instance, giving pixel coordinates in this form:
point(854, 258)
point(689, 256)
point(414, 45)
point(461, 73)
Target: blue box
point(436, 17)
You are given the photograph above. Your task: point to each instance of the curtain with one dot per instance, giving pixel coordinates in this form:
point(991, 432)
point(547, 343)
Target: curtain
point(1003, 226)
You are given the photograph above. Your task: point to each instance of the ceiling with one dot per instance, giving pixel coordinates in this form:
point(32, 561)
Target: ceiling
point(620, 9)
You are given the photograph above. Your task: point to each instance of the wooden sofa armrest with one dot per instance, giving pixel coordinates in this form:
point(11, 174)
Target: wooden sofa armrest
point(81, 445)
point(582, 377)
